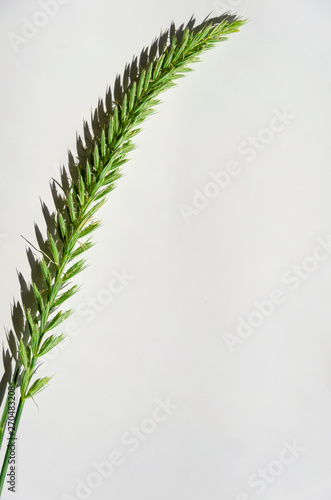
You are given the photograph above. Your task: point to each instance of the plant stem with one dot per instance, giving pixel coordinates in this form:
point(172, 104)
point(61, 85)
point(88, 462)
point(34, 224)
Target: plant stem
point(11, 442)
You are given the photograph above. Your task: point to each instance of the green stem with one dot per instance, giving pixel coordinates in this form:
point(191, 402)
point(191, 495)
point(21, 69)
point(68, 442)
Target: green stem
point(11, 442)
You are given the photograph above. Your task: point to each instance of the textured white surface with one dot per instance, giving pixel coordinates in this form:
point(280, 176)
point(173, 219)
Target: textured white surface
point(163, 335)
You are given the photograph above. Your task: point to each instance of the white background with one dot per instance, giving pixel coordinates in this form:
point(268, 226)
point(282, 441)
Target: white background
point(163, 335)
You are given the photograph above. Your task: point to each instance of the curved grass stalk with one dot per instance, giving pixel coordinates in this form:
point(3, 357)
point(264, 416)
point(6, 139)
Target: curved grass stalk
point(85, 188)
